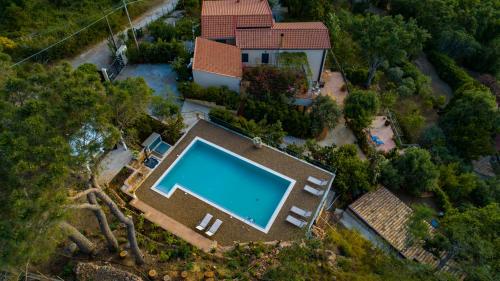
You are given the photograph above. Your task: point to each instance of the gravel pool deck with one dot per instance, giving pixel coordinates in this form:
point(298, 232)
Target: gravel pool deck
point(188, 210)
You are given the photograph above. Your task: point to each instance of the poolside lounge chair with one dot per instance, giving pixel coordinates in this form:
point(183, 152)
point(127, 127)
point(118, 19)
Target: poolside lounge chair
point(204, 222)
point(300, 212)
point(213, 229)
point(295, 221)
point(316, 181)
point(313, 190)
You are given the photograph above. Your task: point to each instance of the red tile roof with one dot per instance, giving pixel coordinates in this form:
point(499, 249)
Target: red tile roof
point(219, 58)
point(290, 35)
point(235, 8)
point(219, 19)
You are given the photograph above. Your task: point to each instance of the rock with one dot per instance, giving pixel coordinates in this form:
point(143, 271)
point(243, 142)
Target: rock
point(91, 271)
point(209, 274)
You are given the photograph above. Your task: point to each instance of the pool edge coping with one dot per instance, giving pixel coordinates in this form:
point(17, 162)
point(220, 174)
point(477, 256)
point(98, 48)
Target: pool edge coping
point(176, 186)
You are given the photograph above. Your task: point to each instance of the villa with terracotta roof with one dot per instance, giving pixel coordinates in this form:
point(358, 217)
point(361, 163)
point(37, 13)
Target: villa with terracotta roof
point(246, 36)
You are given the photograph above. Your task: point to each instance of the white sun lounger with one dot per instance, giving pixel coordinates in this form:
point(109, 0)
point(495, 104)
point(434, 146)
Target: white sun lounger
point(313, 190)
point(204, 222)
point(316, 181)
point(213, 229)
point(300, 212)
point(295, 221)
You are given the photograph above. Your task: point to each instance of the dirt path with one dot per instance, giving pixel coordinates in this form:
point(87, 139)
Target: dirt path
point(100, 55)
point(438, 86)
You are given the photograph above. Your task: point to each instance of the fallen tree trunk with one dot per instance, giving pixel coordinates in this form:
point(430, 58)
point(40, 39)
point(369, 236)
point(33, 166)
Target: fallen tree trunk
point(84, 245)
point(103, 223)
point(131, 235)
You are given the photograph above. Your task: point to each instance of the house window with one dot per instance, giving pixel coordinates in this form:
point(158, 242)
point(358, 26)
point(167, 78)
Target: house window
point(244, 57)
point(265, 58)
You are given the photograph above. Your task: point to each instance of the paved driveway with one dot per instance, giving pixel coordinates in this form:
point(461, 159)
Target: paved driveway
point(159, 77)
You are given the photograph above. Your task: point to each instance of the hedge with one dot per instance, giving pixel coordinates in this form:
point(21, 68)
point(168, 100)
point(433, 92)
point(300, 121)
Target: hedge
point(157, 52)
point(270, 133)
point(220, 95)
point(442, 199)
point(450, 72)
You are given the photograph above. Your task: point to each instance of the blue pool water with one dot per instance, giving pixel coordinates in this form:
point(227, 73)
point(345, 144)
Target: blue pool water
point(232, 184)
point(162, 147)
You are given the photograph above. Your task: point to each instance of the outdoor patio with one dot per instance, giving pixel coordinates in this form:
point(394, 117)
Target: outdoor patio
point(381, 134)
point(181, 212)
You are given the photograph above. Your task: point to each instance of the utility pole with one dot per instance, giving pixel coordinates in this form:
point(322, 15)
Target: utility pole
point(131, 26)
point(112, 35)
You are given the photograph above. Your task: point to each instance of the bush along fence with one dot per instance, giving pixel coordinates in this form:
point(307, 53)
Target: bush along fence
point(222, 121)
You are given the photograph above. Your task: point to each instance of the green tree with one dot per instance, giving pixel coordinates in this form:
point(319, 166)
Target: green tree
point(388, 39)
point(163, 108)
point(412, 171)
point(127, 100)
point(353, 176)
point(471, 239)
point(161, 30)
point(418, 224)
point(38, 121)
point(360, 108)
point(325, 114)
point(470, 122)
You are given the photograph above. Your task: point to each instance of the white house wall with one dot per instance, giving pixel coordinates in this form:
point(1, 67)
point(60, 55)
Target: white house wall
point(314, 57)
point(208, 79)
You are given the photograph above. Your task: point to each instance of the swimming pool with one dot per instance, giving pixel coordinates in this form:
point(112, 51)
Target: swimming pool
point(235, 185)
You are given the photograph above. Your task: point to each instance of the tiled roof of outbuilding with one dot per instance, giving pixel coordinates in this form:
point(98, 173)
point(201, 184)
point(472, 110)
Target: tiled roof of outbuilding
point(388, 216)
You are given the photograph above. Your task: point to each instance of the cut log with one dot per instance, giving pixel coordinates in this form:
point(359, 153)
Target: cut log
point(84, 244)
point(103, 224)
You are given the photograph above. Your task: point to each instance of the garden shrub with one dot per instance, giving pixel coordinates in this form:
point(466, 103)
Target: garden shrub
point(161, 30)
point(273, 83)
point(270, 132)
point(442, 200)
point(146, 125)
point(395, 74)
point(294, 122)
point(219, 95)
point(157, 52)
point(357, 76)
point(449, 71)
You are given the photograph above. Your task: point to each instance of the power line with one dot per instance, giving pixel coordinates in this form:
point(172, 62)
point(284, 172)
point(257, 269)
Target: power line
point(75, 33)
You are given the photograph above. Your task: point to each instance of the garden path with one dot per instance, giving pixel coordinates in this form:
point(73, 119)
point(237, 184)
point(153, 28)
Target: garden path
point(112, 163)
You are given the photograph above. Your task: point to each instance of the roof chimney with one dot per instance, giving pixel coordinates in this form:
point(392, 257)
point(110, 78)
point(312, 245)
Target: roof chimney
point(281, 39)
